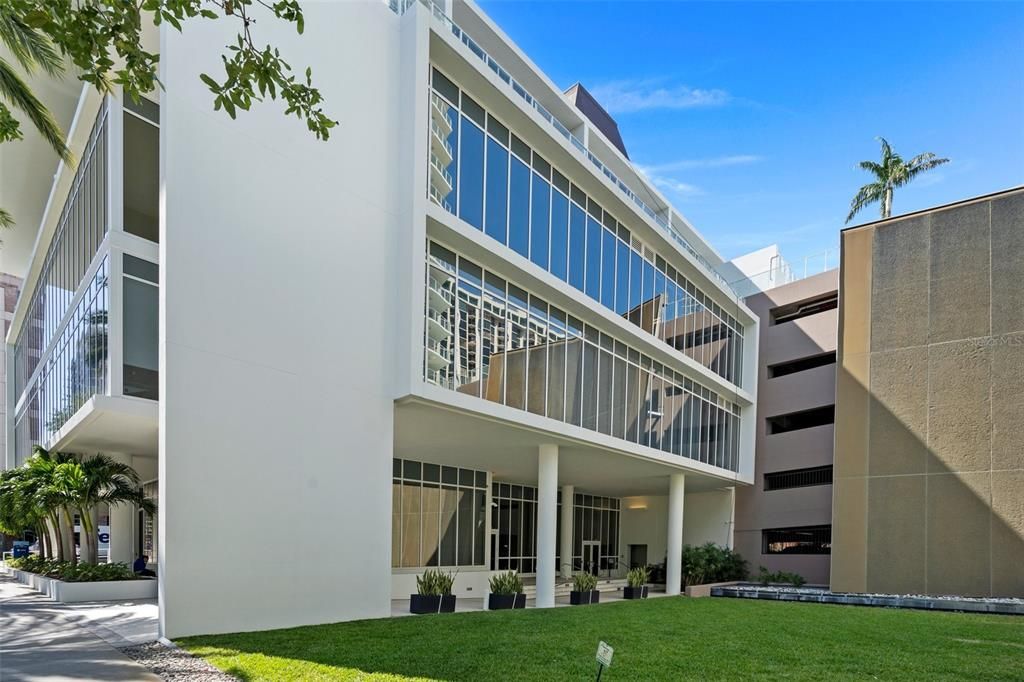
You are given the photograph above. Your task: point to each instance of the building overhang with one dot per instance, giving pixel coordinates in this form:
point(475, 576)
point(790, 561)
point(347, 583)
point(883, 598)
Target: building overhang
point(111, 424)
point(444, 427)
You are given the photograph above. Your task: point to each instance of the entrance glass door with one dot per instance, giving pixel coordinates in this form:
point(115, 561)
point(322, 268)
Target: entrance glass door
point(591, 556)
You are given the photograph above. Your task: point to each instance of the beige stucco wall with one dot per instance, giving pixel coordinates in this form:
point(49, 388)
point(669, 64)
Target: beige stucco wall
point(757, 509)
point(929, 487)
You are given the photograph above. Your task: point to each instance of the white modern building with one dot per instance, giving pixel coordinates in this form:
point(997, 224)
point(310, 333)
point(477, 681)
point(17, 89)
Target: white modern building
point(465, 332)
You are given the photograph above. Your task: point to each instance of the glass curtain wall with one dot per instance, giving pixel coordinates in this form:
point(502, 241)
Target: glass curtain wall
point(74, 370)
point(438, 515)
point(141, 327)
point(148, 538)
point(60, 356)
point(596, 533)
point(514, 530)
point(495, 182)
point(509, 346)
point(80, 229)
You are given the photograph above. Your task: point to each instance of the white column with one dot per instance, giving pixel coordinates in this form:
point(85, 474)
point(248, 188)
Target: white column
point(122, 535)
point(565, 542)
point(547, 514)
point(674, 564)
point(122, 525)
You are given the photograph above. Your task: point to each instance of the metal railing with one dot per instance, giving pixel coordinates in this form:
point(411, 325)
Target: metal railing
point(783, 272)
point(440, 170)
point(438, 288)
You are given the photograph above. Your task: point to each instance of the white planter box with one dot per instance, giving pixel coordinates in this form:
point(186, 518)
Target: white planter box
point(113, 590)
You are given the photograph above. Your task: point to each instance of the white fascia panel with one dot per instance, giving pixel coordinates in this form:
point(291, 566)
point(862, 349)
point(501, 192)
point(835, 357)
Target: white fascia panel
point(485, 409)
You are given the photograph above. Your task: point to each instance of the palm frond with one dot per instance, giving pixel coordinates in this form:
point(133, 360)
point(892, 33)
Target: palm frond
point(17, 92)
point(29, 46)
point(6, 219)
point(886, 150)
point(868, 194)
point(875, 168)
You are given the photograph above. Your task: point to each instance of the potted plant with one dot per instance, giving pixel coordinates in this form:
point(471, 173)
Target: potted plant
point(433, 593)
point(506, 592)
point(636, 581)
point(584, 589)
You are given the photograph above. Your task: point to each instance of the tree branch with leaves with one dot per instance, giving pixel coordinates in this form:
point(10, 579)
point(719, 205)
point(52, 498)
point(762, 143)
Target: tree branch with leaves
point(101, 42)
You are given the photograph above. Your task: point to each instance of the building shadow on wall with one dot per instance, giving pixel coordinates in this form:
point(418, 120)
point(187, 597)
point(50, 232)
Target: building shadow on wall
point(913, 518)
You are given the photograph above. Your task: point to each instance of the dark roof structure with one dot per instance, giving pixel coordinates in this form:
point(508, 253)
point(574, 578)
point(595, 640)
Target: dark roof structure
point(592, 109)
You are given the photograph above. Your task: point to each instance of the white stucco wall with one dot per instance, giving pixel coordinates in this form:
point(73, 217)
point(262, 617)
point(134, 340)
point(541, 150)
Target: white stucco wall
point(644, 521)
point(472, 583)
point(278, 333)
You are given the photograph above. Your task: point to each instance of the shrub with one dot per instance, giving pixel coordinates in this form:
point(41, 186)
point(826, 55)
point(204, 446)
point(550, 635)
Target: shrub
point(709, 563)
point(506, 583)
point(638, 577)
point(584, 582)
point(765, 576)
point(72, 573)
point(434, 582)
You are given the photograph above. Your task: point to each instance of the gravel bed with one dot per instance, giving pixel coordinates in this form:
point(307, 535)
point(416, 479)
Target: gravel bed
point(817, 591)
point(175, 665)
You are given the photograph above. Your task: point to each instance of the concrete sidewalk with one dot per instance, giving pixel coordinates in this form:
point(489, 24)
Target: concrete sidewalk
point(44, 640)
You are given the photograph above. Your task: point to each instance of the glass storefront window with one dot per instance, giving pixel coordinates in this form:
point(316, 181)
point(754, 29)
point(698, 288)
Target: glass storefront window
point(437, 523)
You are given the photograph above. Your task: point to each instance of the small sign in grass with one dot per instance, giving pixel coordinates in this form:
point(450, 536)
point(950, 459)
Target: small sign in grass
point(604, 657)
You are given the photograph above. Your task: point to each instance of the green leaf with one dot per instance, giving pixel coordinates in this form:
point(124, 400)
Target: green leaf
point(36, 18)
point(210, 83)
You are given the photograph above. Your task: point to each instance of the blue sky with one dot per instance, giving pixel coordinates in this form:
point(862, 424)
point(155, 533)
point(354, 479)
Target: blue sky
point(751, 117)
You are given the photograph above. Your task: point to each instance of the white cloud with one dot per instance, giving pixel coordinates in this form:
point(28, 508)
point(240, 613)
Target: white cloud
point(663, 175)
point(628, 96)
point(713, 162)
point(680, 189)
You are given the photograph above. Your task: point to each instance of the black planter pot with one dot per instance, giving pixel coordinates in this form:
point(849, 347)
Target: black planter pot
point(634, 592)
point(431, 603)
point(497, 602)
point(588, 597)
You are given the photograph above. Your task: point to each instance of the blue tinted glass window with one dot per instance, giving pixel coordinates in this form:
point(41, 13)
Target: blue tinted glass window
point(496, 223)
point(471, 174)
point(675, 301)
point(636, 271)
point(451, 201)
point(608, 269)
point(648, 283)
point(622, 278)
point(539, 221)
point(593, 287)
point(519, 208)
point(646, 314)
point(659, 290)
point(559, 234)
point(577, 245)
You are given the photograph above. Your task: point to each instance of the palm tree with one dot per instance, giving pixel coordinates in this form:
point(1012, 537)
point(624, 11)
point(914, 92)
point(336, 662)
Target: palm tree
point(33, 51)
point(890, 173)
point(50, 488)
point(106, 481)
point(18, 511)
point(41, 469)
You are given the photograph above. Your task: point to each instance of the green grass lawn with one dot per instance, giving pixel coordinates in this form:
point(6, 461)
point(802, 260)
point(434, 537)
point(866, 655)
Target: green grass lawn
point(658, 639)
